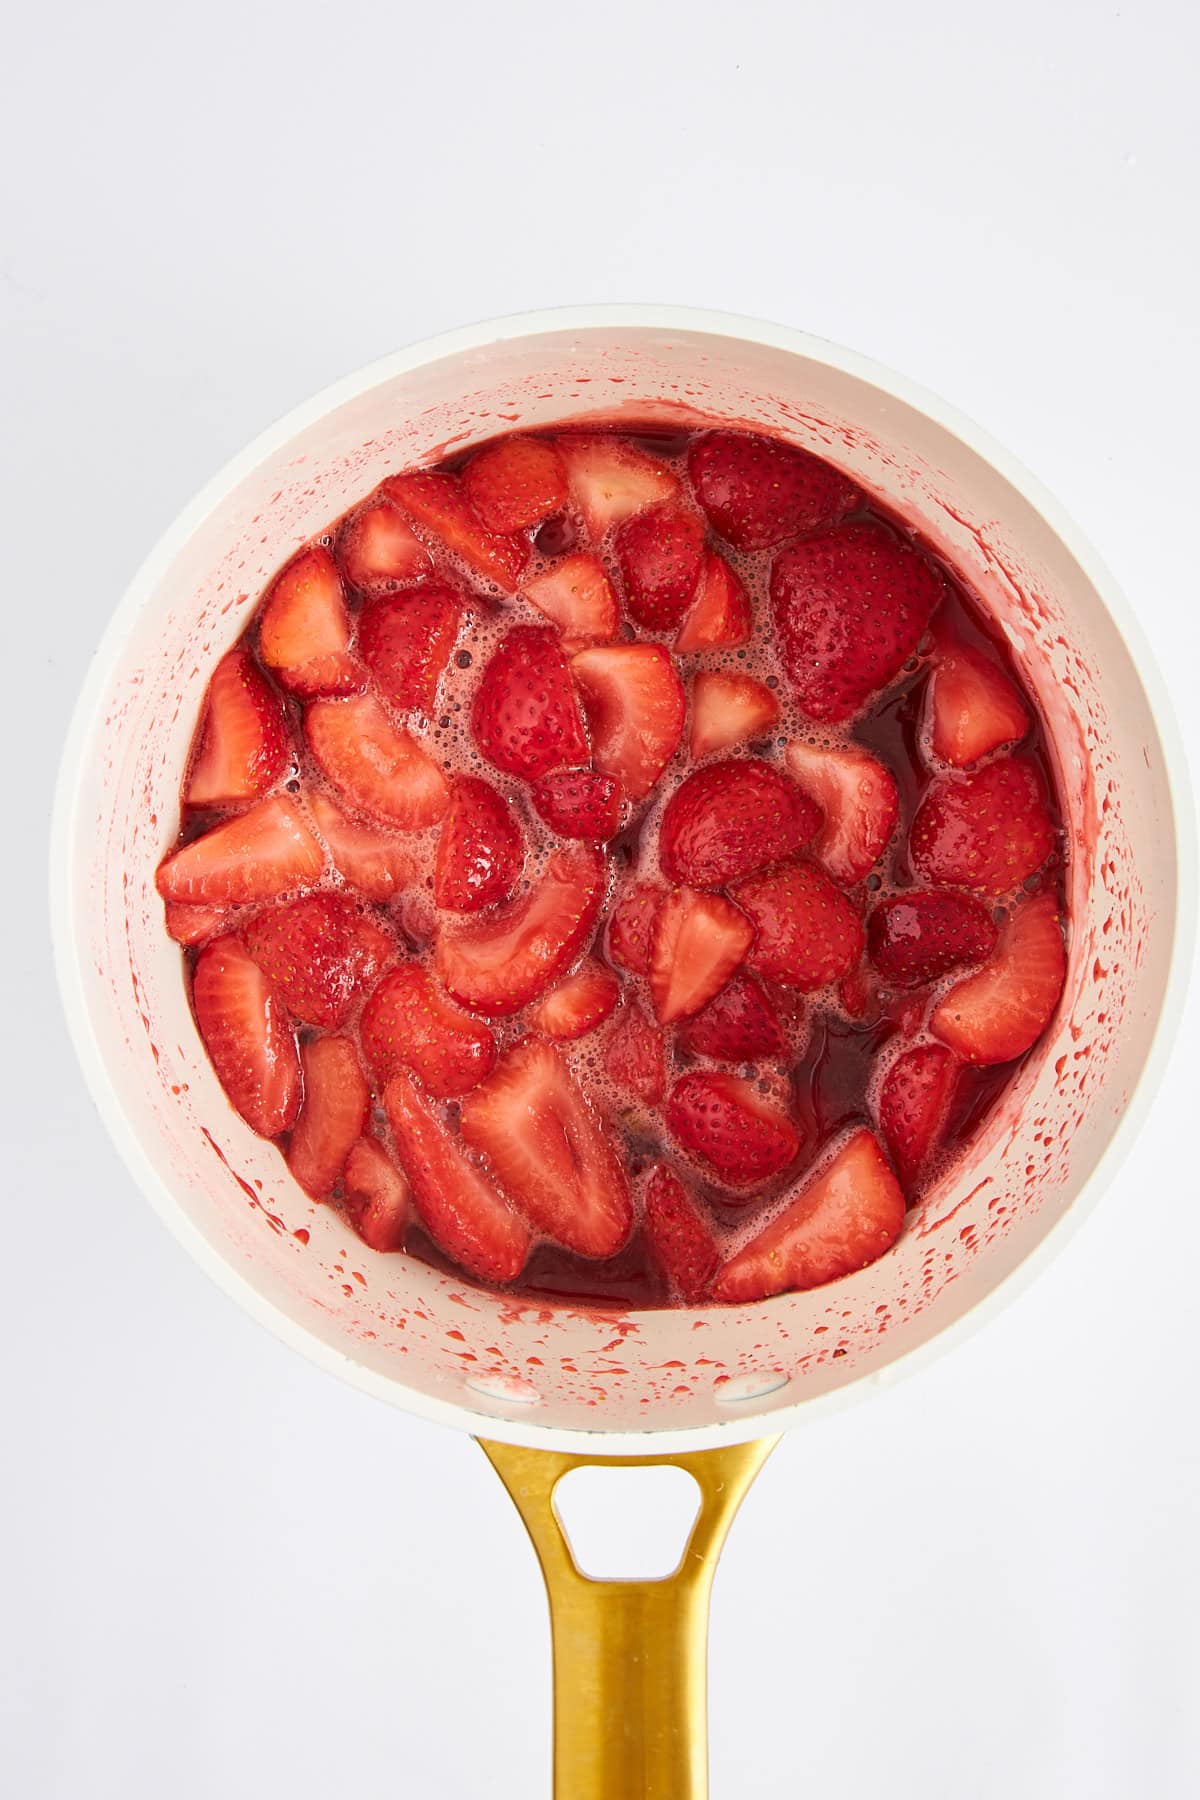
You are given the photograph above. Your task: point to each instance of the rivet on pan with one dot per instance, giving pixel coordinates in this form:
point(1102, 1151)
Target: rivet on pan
point(736, 1390)
point(507, 1388)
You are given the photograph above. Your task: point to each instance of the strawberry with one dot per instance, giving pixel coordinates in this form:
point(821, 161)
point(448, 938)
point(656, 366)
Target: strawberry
point(578, 1004)
point(635, 707)
point(334, 1112)
point(660, 554)
point(989, 831)
point(635, 1056)
point(460, 1207)
point(973, 707)
point(256, 856)
point(516, 483)
point(758, 491)
point(808, 932)
point(859, 801)
point(320, 954)
point(368, 859)
point(858, 993)
point(578, 596)
point(409, 1024)
point(917, 936)
point(406, 639)
point(375, 766)
point(851, 605)
point(739, 1025)
point(192, 925)
point(304, 628)
point(497, 965)
point(550, 1152)
point(721, 613)
point(730, 1127)
point(525, 717)
point(579, 803)
point(609, 479)
point(377, 550)
point(248, 1036)
point(437, 502)
point(243, 745)
point(680, 1238)
point(728, 710)
point(631, 926)
point(376, 1196)
point(729, 819)
point(480, 850)
point(845, 1217)
point(1001, 1012)
point(699, 940)
point(913, 1103)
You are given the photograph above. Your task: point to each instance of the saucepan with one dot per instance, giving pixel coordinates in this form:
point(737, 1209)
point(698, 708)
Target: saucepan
point(551, 1386)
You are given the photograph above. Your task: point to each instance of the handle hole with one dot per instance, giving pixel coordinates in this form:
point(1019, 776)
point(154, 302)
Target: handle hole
point(626, 1524)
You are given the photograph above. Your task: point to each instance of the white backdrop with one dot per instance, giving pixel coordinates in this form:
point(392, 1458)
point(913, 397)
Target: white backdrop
point(222, 1572)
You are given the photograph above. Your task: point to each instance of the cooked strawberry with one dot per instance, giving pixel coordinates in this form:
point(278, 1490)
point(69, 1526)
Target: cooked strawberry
point(758, 491)
point(480, 850)
point(578, 1004)
point(196, 924)
point(739, 1025)
point(987, 831)
point(918, 936)
point(851, 605)
point(578, 596)
point(257, 856)
point(406, 639)
point(609, 479)
point(243, 745)
point(408, 1023)
point(660, 554)
point(579, 803)
point(376, 1196)
point(550, 1151)
point(378, 550)
point(721, 613)
point(635, 1055)
point(699, 940)
point(321, 954)
point(635, 707)
point(498, 964)
point(460, 1207)
point(526, 718)
point(728, 710)
point(859, 993)
point(728, 1125)
point(304, 630)
point(859, 802)
point(437, 502)
point(680, 1238)
point(731, 818)
point(913, 1103)
point(808, 932)
point(334, 1112)
point(973, 706)
point(845, 1217)
point(369, 859)
point(375, 766)
point(631, 926)
point(516, 483)
point(1001, 1012)
point(248, 1035)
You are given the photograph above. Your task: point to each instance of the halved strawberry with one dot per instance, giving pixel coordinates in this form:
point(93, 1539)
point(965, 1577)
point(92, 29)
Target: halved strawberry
point(257, 856)
point(699, 940)
point(913, 1103)
point(740, 1025)
point(243, 745)
point(635, 707)
point(334, 1112)
point(480, 850)
point(370, 860)
point(680, 1238)
point(851, 605)
point(721, 613)
point(321, 954)
point(660, 554)
point(304, 630)
point(728, 710)
point(988, 831)
point(917, 936)
point(631, 926)
point(516, 483)
point(758, 491)
point(436, 501)
point(731, 818)
point(459, 1206)
point(375, 766)
point(578, 596)
point(845, 1217)
point(1001, 1012)
point(550, 1151)
point(498, 964)
point(406, 639)
point(859, 801)
point(609, 479)
point(808, 932)
point(973, 706)
point(635, 1055)
point(378, 550)
point(408, 1023)
point(578, 1004)
point(376, 1196)
point(729, 1126)
point(579, 803)
point(193, 925)
point(526, 718)
point(248, 1036)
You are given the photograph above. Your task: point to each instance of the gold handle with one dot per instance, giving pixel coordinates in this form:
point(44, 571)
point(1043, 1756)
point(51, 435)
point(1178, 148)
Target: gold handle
point(629, 1656)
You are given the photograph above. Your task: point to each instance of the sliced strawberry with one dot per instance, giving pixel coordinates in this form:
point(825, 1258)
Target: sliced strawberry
point(842, 1219)
point(375, 766)
point(918, 936)
point(859, 801)
point(989, 831)
point(913, 1103)
point(758, 491)
point(660, 554)
point(437, 502)
point(304, 630)
point(376, 1196)
point(248, 1036)
point(740, 1025)
point(729, 1126)
point(730, 818)
point(578, 1004)
point(1001, 1012)
point(243, 745)
point(459, 1206)
point(259, 855)
point(406, 639)
point(699, 940)
point(609, 479)
point(550, 1151)
point(851, 605)
point(408, 1023)
point(808, 932)
point(578, 596)
point(721, 613)
point(193, 925)
point(480, 850)
point(973, 706)
point(859, 993)
point(378, 550)
point(321, 954)
point(515, 483)
point(370, 860)
point(635, 707)
point(526, 718)
point(635, 1055)
point(336, 1103)
point(579, 803)
point(728, 710)
point(631, 926)
point(680, 1238)
point(498, 964)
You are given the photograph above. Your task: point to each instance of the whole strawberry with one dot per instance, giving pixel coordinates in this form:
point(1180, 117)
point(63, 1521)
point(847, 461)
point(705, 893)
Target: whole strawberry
point(758, 491)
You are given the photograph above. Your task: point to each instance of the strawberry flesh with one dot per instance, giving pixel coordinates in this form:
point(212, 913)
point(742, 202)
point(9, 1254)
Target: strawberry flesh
point(578, 597)
point(374, 766)
point(378, 551)
point(635, 708)
point(660, 554)
point(859, 804)
point(376, 1196)
point(368, 859)
point(989, 831)
point(578, 1004)
point(436, 502)
point(408, 1023)
point(757, 491)
point(728, 710)
point(913, 1103)
point(680, 1238)
point(332, 1116)
point(609, 479)
point(193, 925)
point(258, 855)
point(731, 818)
point(699, 941)
point(1001, 1012)
point(406, 639)
point(498, 964)
point(918, 936)
point(480, 850)
point(244, 744)
point(739, 1025)
point(973, 707)
point(726, 1124)
point(248, 1036)
point(304, 631)
point(808, 933)
point(526, 718)
point(515, 483)
point(321, 954)
point(579, 803)
point(721, 615)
